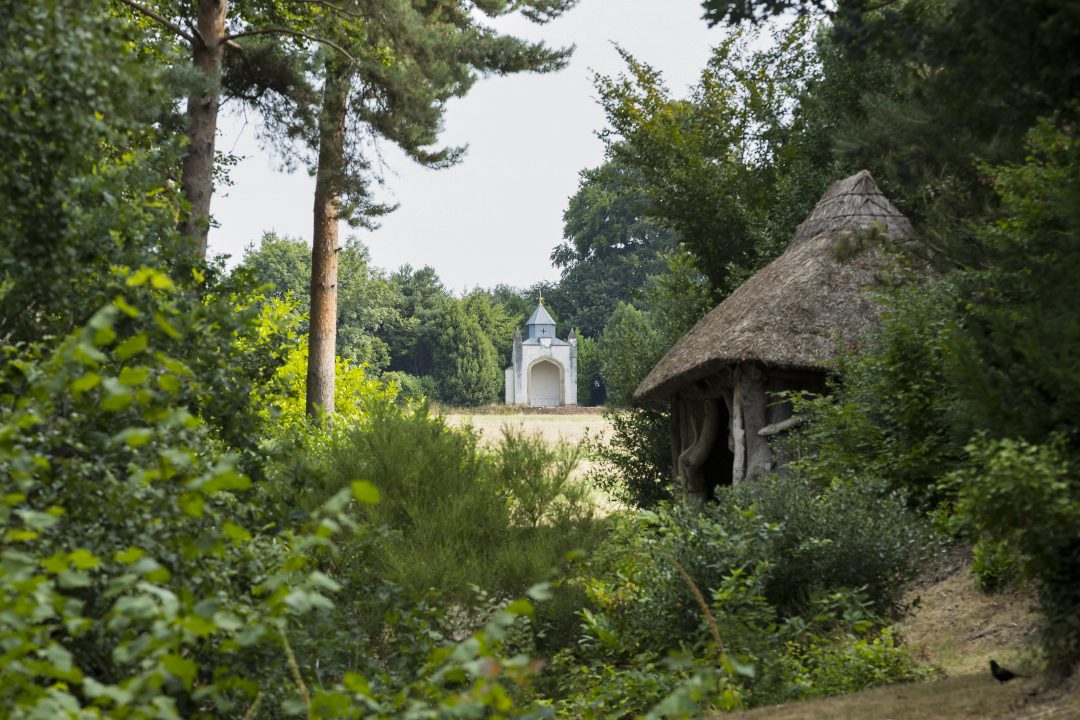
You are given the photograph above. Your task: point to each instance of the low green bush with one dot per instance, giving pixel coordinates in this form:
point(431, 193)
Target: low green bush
point(455, 516)
point(779, 590)
point(411, 388)
point(995, 565)
point(537, 478)
point(634, 465)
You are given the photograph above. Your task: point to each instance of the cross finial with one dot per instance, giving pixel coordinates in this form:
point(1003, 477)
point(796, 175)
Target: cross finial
point(541, 297)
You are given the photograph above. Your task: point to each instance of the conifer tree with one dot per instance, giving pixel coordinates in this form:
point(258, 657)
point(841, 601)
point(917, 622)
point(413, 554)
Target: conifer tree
point(464, 362)
point(269, 41)
point(402, 66)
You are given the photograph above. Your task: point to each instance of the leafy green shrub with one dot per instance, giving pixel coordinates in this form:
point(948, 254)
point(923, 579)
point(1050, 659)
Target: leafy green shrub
point(995, 565)
point(1027, 496)
point(411, 388)
point(457, 516)
point(133, 580)
point(537, 478)
point(635, 463)
point(835, 668)
point(796, 581)
point(853, 534)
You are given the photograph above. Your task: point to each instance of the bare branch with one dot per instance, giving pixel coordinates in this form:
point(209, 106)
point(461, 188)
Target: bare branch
point(294, 33)
point(161, 20)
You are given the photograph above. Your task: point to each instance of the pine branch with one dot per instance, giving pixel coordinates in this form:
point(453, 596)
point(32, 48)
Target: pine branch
point(287, 31)
point(161, 20)
point(336, 8)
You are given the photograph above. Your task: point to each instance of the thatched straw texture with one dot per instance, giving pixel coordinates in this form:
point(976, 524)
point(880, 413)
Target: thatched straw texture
point(803, 307)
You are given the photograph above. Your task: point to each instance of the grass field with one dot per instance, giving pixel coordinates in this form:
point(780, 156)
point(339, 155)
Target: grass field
point(571, 428)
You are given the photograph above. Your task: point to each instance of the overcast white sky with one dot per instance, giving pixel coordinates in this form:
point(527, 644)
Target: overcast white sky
point(495, 217)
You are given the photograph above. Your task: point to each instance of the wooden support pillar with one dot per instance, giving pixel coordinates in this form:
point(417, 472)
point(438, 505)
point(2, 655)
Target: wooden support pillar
point(759, 459)
point(738, 434)
point(692, 459)
point(749, 416)
point(675, 434)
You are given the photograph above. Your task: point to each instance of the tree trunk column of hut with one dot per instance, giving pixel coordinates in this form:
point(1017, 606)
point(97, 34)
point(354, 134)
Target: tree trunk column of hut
point(738, 434)
point(322, 337)
point(197, 174)
point(748, 416)
point(675, 434)
point(692, 459)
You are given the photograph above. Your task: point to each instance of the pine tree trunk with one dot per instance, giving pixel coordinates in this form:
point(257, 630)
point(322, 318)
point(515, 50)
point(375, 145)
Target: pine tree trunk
point(324, 251)
point(197, 176)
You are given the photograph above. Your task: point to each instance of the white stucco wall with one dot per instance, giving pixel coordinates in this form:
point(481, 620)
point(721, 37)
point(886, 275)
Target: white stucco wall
point(517, 376)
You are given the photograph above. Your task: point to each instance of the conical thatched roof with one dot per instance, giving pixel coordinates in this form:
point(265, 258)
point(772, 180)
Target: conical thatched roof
point(802, 307)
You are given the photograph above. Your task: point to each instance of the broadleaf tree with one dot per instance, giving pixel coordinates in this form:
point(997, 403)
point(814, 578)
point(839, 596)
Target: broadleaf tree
point(711, 164)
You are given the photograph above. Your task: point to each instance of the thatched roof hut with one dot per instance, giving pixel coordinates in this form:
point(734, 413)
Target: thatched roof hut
point(779, 330)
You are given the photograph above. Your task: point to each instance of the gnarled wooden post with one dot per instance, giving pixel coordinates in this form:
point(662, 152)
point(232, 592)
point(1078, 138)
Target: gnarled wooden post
point(692, 459)
point(738, 434)
point(759, 459)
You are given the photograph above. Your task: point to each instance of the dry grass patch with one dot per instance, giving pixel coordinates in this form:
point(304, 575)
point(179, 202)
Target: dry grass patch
point(553, 427)
point(965, 697)
point(958, 628)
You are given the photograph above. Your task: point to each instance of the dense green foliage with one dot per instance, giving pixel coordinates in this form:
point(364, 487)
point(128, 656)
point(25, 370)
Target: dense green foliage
point(367, 300)
point(965, 394)
point(179, 539)
point(82, 162)
point(773, 594)
point(635, 464)
point(725, 168)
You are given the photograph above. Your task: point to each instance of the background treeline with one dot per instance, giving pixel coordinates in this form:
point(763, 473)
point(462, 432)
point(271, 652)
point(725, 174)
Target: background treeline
point(405, 326)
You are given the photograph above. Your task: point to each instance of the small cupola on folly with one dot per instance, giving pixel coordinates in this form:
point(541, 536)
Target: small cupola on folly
point(544, 369)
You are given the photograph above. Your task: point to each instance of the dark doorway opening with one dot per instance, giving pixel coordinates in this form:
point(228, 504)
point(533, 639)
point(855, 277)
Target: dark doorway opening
point(719, 463)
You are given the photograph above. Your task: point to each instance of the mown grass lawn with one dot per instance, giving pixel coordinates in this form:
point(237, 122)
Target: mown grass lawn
point(963, 697)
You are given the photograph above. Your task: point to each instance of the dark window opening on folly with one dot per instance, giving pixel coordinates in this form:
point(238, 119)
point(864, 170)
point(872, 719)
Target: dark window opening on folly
point(597, 391)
